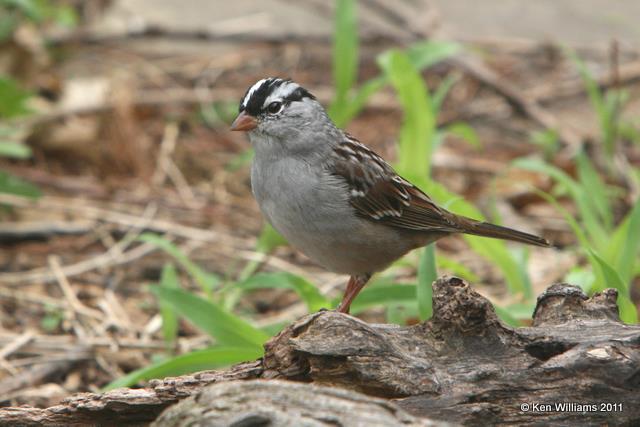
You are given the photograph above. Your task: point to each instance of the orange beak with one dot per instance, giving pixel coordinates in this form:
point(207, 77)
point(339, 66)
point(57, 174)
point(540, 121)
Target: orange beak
point(244, 122)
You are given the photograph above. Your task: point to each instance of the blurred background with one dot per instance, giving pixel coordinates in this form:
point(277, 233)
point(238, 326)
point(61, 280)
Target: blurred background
point(131, 247)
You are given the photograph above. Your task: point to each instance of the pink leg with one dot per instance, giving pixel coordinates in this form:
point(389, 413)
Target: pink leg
point(355, 285)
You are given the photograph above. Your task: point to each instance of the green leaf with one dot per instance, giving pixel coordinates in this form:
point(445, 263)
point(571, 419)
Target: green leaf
point(581, 277)
point(492, 249)
point(207, 281)
point(627, 257)
point(358, 101)
point(598, 195)
point(505, 315)
point(13, 99)
point(345, 55)
point(283, 280)
point(424, 54)
point(399, 314)
point(169, 280)
point(384, 295)
point(65, 16)
point(594, 93)
point(441, 92)
point(427, 274)
point(547, 140)
point(8, 24)
point(458, 269)
point(33, 9)
point(13, 185)
point(575, 227)
point(269, 239)
point(628, 311)
point(581, 196)
point(465, 132)
point(521, 311)
point(195, 361)
point(14, 150)
point(225, 327)
point(416, 142)
point(521, 255)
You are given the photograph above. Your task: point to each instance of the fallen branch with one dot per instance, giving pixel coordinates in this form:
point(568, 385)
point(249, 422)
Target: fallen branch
point(463, 365)
point(283, 403)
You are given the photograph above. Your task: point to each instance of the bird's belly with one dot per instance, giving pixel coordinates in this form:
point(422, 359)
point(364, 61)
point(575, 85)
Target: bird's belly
point(339, 243)
point(316, 218)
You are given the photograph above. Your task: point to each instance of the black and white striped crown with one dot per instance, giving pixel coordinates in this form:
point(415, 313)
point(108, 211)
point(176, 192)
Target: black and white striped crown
point(272, 88)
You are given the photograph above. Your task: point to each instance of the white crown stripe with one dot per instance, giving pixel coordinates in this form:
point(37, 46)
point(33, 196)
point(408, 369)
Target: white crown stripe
point(252, 90)
point(278, 89)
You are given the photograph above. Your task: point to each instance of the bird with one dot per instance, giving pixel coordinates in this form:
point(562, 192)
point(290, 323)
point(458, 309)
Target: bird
point(333, 198)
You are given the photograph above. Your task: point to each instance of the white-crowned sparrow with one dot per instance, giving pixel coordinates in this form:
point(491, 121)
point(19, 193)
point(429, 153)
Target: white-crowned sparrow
point(332, 197)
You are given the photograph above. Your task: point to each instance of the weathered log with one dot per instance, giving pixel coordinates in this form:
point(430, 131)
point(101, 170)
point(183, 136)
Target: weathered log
point(463, 365)
point(124, 406)
point(285, 404)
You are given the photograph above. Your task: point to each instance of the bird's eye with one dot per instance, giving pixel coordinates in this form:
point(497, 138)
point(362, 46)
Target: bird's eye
point(274, 107)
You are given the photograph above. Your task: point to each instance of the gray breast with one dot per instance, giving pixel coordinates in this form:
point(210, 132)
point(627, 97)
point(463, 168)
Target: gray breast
point(310, 208)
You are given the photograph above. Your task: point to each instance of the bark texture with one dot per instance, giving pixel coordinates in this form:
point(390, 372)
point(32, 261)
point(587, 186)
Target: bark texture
point(285, 404)
point(463, 365)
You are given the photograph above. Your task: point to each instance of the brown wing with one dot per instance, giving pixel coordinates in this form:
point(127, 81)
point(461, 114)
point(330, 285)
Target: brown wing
point(377, 192)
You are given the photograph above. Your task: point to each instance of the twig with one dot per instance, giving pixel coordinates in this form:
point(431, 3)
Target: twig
point(12, 231)
point(517, 98)
point(69, 294)
point(37, 373)
point(12, 347)
point(15, 344)
point(62, 343)
point(626, 73)
point(99, 261)
point(158, 225)
point(167, 145)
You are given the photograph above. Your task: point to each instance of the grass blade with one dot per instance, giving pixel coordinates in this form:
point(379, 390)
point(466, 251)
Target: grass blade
point(465, 132)
point(195, 361)
point(506, 317)
point(598, 194)
point(458, 269)
point(14, 150)
point(419, 123)
point(169, 280)
point(282, 280)
point(628, 312)
point(345, 56)
point(13, 185)
point(494, 250)
point(581, 198)
point(225, 327)
point(206, 280)
point(424, 54)
point(627, 258)
point(427, 274)
point(384, 295)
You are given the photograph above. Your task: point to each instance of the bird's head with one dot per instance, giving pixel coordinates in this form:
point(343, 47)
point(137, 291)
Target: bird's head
point(279, 108)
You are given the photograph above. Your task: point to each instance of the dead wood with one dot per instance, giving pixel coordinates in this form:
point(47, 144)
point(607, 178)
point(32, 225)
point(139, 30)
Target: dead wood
point(463, 365)
point(124, 406)
point(285, 404)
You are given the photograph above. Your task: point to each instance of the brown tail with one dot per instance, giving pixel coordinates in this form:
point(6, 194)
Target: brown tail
point(498, 232)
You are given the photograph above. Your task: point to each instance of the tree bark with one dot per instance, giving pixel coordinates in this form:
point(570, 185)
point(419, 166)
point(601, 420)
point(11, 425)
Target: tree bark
point(463, 365)
point(285, 404)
